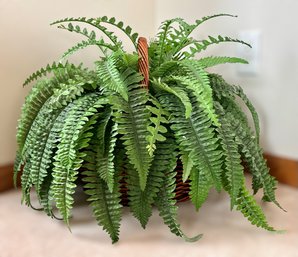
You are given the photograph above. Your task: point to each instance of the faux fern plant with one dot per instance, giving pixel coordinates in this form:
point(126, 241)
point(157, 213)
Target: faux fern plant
point(102, 128)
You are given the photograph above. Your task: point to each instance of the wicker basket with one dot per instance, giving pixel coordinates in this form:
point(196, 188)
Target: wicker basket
point(182, 189)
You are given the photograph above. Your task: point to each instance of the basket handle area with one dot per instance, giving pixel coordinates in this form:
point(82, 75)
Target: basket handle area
point(143, 60)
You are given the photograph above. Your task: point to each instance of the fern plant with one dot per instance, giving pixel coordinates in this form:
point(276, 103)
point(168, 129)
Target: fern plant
point(102, 129)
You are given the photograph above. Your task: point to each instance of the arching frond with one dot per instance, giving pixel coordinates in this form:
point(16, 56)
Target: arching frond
point(211, 61)
point(75, 135)
point(132, 117)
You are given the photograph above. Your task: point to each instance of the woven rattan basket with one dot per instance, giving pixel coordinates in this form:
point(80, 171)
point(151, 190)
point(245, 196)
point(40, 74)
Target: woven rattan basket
point(182, 189)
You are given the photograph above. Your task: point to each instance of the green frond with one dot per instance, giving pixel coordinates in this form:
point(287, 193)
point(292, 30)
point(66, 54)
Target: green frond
point(197, 81)
point(233, 170)
point(182, 35)
point(156, 128)
point(65, 94)
point(126, 30)
point(199, 46)
point(141, 200)
point(200, 185)
point(18, 162)
point(239, 92)
point(92, 22)
point(166, 162)
point(112, 79)
point(48, 69)
point(105, 204)
point(253, 155)
point(206, 18)
point(83, 44)
point(33, 103)
point(106, 137)
point(211, 61)
point(165, 69)
point(132, 117)
point(177, 91)
point(167, 35)
point(74, 136)
point(196, 137)
point(187, 166)
point(38, 149)
point(250, 209)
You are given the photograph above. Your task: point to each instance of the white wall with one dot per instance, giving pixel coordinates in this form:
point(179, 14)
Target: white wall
point(274, 90)
point(27, 42)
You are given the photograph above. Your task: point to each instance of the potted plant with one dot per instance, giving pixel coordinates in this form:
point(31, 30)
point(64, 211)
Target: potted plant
point(122, 127)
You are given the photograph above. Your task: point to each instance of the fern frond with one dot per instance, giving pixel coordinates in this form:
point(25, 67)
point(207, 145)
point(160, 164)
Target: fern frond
point(141, 200)
point(48, 69)
point(165, 69)
point(196, 137)
point(156, 128)
point(211, 61)
point(105, 204)
point(200, 185)
point(177, 91)
point(250, 209)
point(92, 22)
point(126, 30)
point(96, 22)
point(202, 45)
point(253, 155)
point(198, 82)
point(132, 117)
point(233, 170)
point(68, 159)
point(239, 92)
point(83, 44)
point(165, 201)
point(166, 36)
point(65, 94)
point(106, 141)
point(182, 35)
point(187, 166)
point(112, 79)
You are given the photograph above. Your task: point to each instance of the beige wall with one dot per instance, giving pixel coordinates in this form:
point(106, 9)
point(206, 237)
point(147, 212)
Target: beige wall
point(274, 90)
point(27, 42)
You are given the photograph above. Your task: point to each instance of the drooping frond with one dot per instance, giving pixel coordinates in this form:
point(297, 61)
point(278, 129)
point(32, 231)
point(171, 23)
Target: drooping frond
point(197, 81)
point(187, 166)
point(196, 138)
point(105, 204)
point(250, 209)
point(177, 91)
point(132, 117)
point(157, 127)
point(253, 155)
point(233, 170)
point(74, 136)
point(166, 162)
point(106, 137)
point(239, 92)
point(211, 61)
point(141, 200)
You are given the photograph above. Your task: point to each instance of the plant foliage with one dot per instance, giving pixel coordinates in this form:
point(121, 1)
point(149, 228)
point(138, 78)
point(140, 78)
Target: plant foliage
point(100, 127)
